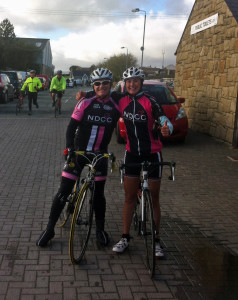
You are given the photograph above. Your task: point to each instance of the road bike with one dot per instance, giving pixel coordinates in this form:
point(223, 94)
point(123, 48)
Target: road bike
point(81, 206)
point(57, 106)
point(19, 105)
point(143, 217)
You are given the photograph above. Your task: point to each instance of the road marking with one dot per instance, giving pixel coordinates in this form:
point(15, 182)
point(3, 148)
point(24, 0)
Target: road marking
point(66, 100)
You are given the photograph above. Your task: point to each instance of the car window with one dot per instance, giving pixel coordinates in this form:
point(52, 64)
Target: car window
point(161, 93)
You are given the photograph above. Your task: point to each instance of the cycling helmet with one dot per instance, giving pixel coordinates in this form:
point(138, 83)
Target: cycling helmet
point(101, 73)
point(33, 71)
point(133, 72)
point(59, 72)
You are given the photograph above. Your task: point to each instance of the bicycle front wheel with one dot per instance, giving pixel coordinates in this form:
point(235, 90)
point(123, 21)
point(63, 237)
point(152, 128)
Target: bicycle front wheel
point(81, 223)
point(148, 226)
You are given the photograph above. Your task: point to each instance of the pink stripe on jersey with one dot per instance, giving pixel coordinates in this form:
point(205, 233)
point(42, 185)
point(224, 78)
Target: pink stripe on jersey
point(100, 137)
point(100, 178)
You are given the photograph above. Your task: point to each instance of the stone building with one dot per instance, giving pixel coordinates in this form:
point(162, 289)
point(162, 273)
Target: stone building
point(207, 68)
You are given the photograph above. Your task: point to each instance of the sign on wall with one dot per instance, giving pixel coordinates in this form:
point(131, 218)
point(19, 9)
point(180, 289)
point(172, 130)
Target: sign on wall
point(204, 24)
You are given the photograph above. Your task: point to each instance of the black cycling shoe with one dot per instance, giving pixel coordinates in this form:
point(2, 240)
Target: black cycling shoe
point(102, 237)
point(45, 237)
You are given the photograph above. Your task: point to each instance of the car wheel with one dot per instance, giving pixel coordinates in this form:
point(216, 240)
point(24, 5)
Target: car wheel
point(120, 140)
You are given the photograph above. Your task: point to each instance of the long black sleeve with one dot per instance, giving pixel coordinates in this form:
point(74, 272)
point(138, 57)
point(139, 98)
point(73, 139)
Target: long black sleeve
point(70, 133)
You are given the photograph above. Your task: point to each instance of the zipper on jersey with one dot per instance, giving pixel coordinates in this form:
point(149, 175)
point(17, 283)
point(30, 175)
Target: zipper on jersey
point(134, 111)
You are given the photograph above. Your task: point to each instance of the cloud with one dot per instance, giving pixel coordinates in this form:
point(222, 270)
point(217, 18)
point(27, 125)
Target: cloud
point(84, 32)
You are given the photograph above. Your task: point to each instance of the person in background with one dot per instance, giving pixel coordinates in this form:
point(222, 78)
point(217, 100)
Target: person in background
point(57, 86)
point(33, 84)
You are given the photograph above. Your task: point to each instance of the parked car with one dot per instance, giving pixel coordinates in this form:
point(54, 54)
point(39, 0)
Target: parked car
point(16, 80)
point(170, 103)
point(78, 82)
point(71, 83)
point(43, 82)
point(6, 89)
point(47, 84)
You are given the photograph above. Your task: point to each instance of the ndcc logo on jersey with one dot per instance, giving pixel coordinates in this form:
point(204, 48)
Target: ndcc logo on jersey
point(136, 117)
point(100, 119)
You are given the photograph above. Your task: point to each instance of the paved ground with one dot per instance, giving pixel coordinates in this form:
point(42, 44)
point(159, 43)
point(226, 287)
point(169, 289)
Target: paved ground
point(199, 220)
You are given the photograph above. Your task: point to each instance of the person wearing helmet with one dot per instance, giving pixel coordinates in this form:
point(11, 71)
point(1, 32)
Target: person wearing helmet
point(57, 86)
point(33, 84)
point(90, 129)
point(141, 114)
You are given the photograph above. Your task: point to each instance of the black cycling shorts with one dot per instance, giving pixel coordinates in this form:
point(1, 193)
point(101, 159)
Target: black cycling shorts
point(155, 172)
point(80, 162)
point(59, 93)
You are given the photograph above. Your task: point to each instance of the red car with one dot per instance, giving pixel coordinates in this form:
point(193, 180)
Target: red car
point(170, 104)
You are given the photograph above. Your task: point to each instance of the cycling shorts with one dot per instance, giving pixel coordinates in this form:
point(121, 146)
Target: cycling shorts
point(59, 93)
point(155, 172)
point(80, 162)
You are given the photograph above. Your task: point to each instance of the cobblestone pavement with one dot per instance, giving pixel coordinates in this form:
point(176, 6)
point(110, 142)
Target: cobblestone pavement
point(199, 223)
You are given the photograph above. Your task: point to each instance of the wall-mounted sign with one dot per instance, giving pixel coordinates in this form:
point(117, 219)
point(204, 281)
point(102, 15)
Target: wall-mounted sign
point(204, 24)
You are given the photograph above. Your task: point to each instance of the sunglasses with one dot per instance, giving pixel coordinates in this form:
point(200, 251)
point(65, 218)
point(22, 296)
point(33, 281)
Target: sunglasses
point(98, 83)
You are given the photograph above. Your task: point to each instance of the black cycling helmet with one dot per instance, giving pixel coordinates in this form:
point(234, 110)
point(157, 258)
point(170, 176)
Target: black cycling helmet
point(59, 72)
point(101, 73)
point(133, 72)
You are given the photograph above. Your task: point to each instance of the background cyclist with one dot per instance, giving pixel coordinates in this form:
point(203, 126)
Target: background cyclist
point(57, 86)
point(33, 85)
point(90, 129)
point(140, 113)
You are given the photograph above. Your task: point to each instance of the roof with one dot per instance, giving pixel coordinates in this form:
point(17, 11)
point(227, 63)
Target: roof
point(40, 43)
point(233, 6)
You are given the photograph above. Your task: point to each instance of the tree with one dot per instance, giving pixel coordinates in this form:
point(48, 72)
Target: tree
point(7, 29)
point(117, 64)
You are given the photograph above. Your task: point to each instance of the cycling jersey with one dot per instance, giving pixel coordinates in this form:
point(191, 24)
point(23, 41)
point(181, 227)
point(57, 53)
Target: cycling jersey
point(58, 84)
point(32, 84)
point(92, 124)
point(139, 114)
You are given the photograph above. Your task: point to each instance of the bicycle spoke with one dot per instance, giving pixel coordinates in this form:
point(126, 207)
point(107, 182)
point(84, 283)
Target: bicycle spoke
point(81, 224)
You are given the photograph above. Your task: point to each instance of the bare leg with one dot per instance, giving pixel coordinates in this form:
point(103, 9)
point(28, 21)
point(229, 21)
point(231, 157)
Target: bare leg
point(131, 185)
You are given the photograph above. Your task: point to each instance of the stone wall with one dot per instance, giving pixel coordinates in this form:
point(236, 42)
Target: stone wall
point(207, 71)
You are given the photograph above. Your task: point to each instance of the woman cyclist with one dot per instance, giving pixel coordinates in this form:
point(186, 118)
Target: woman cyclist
point(140, 113)
point(90, 129)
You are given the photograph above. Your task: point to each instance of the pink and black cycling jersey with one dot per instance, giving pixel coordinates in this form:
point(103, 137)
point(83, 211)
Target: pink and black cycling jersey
point(92, 124)
point(139, 114)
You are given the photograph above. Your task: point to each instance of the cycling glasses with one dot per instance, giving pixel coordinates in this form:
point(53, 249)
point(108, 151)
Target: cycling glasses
point(98, 83)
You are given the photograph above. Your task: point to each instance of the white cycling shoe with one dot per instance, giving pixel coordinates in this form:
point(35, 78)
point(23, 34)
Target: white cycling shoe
point(121, 246)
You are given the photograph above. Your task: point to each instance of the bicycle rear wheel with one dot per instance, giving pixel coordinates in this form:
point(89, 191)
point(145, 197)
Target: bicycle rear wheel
point(81, 223)
point(148, 227)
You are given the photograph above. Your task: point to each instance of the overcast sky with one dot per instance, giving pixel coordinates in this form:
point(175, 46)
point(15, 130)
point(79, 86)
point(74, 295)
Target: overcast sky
point(84, 32)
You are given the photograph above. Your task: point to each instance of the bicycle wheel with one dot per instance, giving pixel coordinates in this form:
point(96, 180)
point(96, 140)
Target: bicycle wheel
point(137, 214)
point(56, 108)
point(148, 227)
point(81, 223)
point(17, 108)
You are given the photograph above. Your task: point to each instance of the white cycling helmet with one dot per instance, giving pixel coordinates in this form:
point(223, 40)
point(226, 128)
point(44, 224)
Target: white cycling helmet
point(133, 72)
point(101, 73)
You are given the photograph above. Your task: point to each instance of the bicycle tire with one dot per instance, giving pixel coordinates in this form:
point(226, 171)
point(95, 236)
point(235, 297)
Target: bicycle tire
point(148, 227)
point(17, 109)
point(81, 223)
point(69, 207)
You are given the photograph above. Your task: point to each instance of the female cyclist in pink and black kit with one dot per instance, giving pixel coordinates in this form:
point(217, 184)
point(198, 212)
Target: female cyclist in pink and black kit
point(140, 113)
